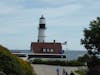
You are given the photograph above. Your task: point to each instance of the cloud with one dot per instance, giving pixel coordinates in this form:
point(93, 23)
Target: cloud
point(19, 20)
point(5, 9)
point(61, 11)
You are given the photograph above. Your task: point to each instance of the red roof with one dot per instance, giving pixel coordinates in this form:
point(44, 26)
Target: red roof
point(46, 47)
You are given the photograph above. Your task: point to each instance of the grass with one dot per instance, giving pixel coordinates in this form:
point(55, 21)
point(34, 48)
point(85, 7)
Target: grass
point(81, 72)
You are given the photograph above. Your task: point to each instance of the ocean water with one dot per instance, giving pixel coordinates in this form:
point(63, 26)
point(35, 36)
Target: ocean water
point(70, 54)
point(73, 54)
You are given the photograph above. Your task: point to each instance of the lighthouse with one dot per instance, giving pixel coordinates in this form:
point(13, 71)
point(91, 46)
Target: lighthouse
point(43, 48)
point(41, 29)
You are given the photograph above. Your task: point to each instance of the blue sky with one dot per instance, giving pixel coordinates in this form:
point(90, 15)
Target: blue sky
point(65, 21)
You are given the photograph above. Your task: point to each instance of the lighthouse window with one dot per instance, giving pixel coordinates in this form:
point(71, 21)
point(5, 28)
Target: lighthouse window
point(48, 50)
point(52, 50)
point(44, 50)
point(42, 25)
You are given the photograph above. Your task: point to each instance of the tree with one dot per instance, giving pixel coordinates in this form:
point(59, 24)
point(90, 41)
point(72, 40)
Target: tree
point(83, 58)
point(91, 40)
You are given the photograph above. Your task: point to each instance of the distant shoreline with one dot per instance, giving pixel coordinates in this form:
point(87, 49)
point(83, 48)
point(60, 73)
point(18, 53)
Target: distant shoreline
point(70, 54)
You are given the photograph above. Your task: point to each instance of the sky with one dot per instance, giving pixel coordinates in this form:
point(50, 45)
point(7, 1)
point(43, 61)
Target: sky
point(65, 21)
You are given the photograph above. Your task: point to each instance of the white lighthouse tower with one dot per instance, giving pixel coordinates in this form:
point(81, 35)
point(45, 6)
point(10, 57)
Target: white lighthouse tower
point(42, 28)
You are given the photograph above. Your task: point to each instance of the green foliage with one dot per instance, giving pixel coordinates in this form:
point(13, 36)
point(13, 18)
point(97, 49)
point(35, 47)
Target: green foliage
point(57, 62)
point(12, 65)
point(91, 42)
point(94, 61)
point(83, 58)
point(75, 63)
point(81, 72)
point(91, 39)
point(37, 61)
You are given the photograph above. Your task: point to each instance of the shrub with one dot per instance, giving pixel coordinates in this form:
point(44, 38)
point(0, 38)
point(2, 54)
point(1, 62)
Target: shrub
point(84, 58)
point(57, 62)
point(75, 63)
point(93, 66)
point(12, 65)
point(81, 72)
point(38, 61)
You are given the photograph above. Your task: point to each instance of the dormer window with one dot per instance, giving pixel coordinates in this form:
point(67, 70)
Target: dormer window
point(44, 50)
point(48, 50)
point(51, 50)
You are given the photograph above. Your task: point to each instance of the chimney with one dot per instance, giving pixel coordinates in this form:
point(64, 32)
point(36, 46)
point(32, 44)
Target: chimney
point(38, 41)
point(54, 41)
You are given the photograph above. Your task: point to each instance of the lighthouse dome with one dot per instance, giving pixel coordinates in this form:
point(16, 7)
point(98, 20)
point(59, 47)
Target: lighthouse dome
point(42, 20)
point(42, 17)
